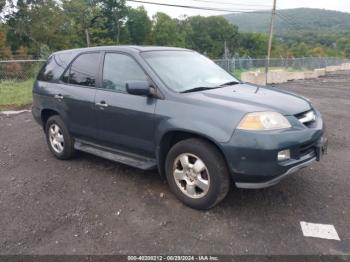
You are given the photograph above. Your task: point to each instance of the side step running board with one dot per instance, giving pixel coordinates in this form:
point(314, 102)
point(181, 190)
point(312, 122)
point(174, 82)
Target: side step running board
point(116, 155)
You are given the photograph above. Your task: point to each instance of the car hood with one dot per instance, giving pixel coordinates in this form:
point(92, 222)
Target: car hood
point(250, 98)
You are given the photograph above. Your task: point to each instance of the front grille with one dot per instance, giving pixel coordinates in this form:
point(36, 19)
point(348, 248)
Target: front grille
point(307, 118)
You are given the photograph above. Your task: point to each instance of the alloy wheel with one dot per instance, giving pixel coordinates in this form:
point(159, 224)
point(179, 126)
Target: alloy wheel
point(56, 138)
point(191, 175)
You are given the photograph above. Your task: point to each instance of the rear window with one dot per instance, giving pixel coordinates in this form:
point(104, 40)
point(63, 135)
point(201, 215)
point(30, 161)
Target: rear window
point(83, 70)
point(54, 67)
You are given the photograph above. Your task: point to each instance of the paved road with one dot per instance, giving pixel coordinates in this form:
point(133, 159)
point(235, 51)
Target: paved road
point(94, 206)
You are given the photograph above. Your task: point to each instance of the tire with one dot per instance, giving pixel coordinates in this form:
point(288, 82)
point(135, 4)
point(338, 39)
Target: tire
point(197, 186)
point(63, 147)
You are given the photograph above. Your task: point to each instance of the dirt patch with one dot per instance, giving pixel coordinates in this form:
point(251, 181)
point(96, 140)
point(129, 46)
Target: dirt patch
point(15, 107)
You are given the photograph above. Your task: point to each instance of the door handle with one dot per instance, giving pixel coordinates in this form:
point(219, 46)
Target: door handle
point(102, 104)
point(58, 96)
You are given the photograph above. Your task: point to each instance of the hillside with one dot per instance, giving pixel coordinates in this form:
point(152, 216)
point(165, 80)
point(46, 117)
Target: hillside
point(292, 20)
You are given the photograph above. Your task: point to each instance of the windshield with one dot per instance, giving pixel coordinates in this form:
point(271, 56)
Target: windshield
point(185, 70)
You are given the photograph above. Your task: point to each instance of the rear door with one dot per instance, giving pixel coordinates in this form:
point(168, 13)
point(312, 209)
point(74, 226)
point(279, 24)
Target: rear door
point(125, 121)
point(47, 84)
point(76, 95)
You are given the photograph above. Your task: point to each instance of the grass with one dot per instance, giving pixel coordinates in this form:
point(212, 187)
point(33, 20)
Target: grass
point(15, 94)
point(237, 73)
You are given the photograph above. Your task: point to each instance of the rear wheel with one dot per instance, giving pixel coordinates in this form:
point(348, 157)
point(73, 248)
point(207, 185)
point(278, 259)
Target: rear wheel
point(59, 140)
point(197, 173)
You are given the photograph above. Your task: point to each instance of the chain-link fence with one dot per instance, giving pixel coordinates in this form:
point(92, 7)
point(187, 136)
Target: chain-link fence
point(237, 65)
point(19, 70)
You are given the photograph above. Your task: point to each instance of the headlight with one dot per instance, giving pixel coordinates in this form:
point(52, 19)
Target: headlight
point(263, 121)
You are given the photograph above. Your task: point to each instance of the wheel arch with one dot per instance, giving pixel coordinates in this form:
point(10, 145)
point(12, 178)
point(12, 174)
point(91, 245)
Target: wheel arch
point(46, 114)
point(171, 137)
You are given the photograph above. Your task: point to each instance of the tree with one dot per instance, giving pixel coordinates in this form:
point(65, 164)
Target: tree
point(318, 51)
point(115, 13)
point(139, 26)
point(344, 44)
point(209, 35)
point(2, 38)
point(253, 44)
point(300, 50)
point(165, 31)
point(44, 26)
point(5, 51)
point(37, 23)
point(3, 5)
point(82, 15)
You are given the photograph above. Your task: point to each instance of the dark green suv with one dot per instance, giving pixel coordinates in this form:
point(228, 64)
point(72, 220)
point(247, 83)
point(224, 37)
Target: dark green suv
point(175, 110)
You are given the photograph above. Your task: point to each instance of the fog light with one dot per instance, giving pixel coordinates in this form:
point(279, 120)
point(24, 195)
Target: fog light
point(283, 155)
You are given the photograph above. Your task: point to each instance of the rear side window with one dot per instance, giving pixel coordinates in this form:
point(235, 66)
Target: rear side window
point(83, 70)
point(54, 67)
point(118, 69)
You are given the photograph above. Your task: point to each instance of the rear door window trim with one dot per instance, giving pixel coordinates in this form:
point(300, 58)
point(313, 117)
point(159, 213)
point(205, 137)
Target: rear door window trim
point(70, 65)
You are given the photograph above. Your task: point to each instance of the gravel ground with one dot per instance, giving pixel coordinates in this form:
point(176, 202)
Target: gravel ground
point(93, 206)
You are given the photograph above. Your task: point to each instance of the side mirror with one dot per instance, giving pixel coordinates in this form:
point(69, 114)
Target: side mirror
point(140, 88)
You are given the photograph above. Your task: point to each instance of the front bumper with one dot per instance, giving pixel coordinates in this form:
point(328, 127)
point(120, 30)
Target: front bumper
point(252, 156)
point(275, 180)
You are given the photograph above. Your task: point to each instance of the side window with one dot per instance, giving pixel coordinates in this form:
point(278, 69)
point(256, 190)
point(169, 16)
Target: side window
point(118, 69)
point(54, 67)
point(83, 70)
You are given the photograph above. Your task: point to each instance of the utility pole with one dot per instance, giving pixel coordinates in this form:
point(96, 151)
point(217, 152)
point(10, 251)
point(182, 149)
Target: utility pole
point(267, 65)
point(225, 50)
point(87, 36)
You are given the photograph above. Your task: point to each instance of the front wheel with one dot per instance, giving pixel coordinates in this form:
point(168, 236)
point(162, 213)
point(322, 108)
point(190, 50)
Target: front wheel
point(197, 173)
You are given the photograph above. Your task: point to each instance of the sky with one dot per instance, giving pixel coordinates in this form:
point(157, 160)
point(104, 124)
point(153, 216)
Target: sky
point(244, 5)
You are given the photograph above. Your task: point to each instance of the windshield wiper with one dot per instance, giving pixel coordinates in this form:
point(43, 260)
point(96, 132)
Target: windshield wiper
point(199, 88)
point(230, 83)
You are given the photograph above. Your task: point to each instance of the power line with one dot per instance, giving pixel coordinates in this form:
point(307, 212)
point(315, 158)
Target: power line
point(232, 4)
point(201, 7)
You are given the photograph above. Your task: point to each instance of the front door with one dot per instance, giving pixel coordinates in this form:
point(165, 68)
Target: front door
point(124, 121)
